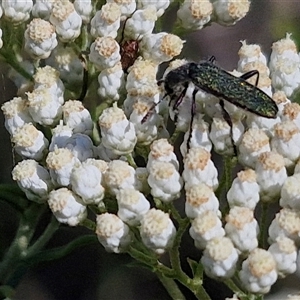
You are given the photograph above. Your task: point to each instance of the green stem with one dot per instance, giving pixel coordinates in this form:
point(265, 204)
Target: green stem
point(19, 246)
point(131, 160)
point(88, 224)
point(12, 195)
point(44, 238)
point(9, 59)
point(233, 287)
point(171, 287)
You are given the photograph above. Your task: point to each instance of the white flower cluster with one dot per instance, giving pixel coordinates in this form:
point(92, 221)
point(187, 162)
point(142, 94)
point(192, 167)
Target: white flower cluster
point(116, 158)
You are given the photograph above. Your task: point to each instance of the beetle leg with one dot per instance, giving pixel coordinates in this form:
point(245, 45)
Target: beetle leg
point(251, 74)
point(193, 113)
point(227, 118)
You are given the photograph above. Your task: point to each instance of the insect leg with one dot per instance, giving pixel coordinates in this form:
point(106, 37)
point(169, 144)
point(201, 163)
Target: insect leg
point(227, 118)
point(180, 98)
point(193, 113)
point(150, 111)
point(212, 59)
point(251, 74)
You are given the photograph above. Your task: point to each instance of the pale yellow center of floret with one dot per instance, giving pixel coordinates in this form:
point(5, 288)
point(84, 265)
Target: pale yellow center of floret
point(240, 216)
point(154, 222)
point(59, 158)
point(271, 161)
point(108, 224)
point(198, 194)
point(110, 12)
point(261, 262)
point(40, 30)
point(247, 176)
point(62, 9)
point(197, 158)
point(201, 9)
point(286, 130)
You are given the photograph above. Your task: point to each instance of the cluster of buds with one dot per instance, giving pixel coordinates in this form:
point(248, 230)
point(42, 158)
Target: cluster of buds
point(121, 163)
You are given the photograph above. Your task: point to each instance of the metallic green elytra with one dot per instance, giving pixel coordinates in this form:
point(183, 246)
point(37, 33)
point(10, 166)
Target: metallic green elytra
point(210, 78)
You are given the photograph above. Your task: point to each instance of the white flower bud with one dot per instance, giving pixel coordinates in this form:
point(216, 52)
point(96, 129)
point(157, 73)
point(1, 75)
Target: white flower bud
point(17, 11)
point(286, 141)
point(200, 198)
point(44, 107)
point(33, 179)
point(205, 227)
point(258, 272)
point(84, 9)
point(265, 124)
point(253, 143)
point(77, 117)
point(285, 65)
point(142, 101)
point(29, 142)
point(221, 135)
point(105, 52)
point(69, 66)
point(111, 82)
point(284, 252)
point(81, 146)
point(160, 6)
point(141, 74)
point(244, 190)
point(290, 192)
point(48, 77)
point(119, 175)
point(66, 20)
point(242, 228)
point(60, 163)
point(250, 53)
point(16, 114)
point(132, 205)
point(86, 182)
point(286, 223)
point(40, 39)
point(195, 14)
point(199, 168)
point(291, 112)
point(271, 174)
point(127, 6)
point(66, 207)
point(146, 132)
point(162, 150)
point(118, 134)
point(106, 21)
point(160, 47)
point(281, 101)
point(157, 230)
point(198, 138)
point(140, 23)
point(228, 12)
point(165, 181)
point(113, 234)
point(60, 134)
point(219, 258)
point(42, 9)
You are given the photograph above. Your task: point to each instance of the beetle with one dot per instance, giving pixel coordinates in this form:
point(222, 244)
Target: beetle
point(212, 79)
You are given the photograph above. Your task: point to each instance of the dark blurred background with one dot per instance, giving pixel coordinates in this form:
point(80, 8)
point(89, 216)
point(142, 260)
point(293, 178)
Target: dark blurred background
point(90, 273)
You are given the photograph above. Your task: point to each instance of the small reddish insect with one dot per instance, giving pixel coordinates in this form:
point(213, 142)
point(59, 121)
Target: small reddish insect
point(129, 51)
